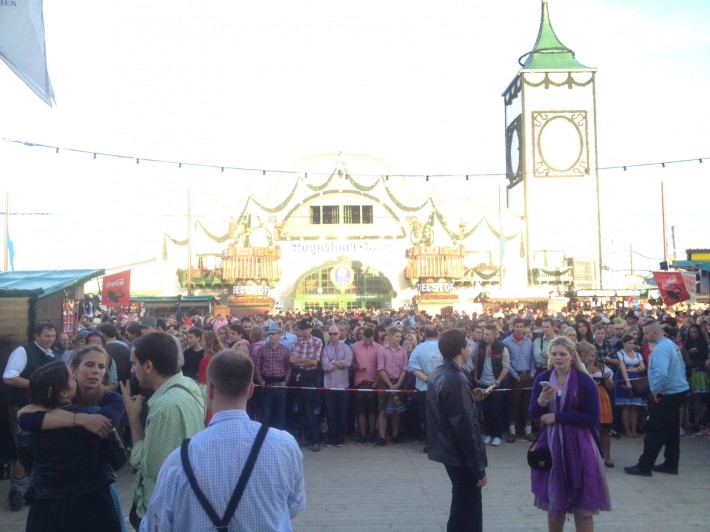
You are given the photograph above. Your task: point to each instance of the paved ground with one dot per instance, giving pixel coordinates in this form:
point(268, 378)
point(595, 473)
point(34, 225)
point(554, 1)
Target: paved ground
point(398, 488)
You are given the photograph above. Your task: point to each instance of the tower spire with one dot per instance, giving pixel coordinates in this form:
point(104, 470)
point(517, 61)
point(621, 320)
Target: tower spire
point(549, 53)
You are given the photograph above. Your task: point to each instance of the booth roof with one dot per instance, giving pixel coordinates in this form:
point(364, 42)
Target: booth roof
point(42, 283)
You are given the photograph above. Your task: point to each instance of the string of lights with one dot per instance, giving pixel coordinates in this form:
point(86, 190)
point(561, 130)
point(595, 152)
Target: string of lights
point(265, 171)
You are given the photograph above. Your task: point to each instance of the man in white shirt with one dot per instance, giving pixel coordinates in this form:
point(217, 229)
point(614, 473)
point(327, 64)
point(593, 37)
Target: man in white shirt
point(22, 363)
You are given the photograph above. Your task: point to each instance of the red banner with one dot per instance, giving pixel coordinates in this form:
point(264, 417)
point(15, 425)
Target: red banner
point(116, 290)
point(672, 287)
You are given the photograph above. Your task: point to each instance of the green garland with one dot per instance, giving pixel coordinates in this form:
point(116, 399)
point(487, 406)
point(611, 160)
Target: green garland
point(486, 276)
point(215, 238)
point(555, 273)
point(435, 214)
point(569, 82)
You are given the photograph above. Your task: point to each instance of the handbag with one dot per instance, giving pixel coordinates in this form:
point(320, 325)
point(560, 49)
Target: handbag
point(539, 459)
point(395, 405)
point(640, 386)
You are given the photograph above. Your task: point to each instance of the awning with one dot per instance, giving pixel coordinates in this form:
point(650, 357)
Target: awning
point(703, 265)
point(42, 283)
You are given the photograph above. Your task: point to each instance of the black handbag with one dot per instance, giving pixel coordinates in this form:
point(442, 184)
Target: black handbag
point(539, 459)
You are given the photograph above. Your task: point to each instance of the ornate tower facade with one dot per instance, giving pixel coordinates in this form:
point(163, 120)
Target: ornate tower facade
point(551, 152)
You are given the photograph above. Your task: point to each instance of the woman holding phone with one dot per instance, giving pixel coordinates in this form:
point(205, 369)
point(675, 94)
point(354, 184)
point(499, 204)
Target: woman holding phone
point(566, 403)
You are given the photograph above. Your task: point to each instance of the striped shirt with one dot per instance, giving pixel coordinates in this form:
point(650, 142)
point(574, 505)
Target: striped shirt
point(174, 414)
point(274, 494)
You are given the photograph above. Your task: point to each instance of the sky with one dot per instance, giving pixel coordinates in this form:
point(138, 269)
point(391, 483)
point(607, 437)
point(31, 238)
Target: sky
point(266, 84)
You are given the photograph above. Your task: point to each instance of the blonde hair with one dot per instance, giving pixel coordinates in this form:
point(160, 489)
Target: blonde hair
point(569, 331)
point(585, 348)
point(92, 397)
point(211, 343)
point(412, 338)
point(571, 348)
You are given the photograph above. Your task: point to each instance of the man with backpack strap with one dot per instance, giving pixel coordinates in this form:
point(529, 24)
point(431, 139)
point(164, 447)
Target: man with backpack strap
point(235, 475)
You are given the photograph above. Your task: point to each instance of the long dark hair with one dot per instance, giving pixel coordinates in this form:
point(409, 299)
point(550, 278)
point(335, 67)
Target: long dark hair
point(379, 329)
point(589, 337)
point(699, 343)
point(47, 383)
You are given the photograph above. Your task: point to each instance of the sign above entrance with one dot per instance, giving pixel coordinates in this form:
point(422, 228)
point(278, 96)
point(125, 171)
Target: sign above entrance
point(250, 290)
point(435, 288)
point(313, 248)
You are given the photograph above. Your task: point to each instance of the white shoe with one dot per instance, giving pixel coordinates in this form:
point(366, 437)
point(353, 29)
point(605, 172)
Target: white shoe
point(496, 442)
point(487, 440)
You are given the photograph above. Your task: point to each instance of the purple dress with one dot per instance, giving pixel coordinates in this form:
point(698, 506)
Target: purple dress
point(577, 481)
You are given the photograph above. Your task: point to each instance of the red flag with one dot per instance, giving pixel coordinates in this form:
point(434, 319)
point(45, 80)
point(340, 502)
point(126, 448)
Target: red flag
point(116, 290)
point(672, 287)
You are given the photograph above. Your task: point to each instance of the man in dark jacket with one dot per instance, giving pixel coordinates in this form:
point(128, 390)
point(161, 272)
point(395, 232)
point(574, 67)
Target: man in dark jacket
point(453, 436)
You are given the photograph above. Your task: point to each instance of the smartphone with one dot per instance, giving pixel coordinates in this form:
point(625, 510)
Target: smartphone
point(544, 383)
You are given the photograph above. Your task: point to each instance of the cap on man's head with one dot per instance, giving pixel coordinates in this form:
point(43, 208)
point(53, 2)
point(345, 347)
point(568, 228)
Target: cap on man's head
point(149, 321)
point(304, 324)
point(274, 328)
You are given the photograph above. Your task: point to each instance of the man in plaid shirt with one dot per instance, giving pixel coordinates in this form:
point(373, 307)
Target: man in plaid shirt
point(605, 348)
point(176, 411)
point(305, 359)
point(272, 367)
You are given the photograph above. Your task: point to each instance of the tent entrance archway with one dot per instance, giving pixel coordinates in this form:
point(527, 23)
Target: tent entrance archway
point(368, 288)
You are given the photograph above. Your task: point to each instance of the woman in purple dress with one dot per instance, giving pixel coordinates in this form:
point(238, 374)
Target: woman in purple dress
point(567, 406)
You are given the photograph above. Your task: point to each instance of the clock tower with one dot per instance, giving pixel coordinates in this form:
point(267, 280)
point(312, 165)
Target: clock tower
point(551, 160)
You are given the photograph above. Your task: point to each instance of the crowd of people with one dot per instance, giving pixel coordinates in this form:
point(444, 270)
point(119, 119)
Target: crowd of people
point(327, 378)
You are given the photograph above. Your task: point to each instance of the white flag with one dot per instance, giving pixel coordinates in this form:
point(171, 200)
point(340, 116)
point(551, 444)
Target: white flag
point(22, 44)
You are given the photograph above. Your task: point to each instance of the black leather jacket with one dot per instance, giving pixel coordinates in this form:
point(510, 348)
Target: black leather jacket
point(67, 462)
point(453, 435)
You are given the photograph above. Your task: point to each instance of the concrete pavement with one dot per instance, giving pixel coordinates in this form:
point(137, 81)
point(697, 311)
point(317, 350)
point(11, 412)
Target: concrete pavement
point(398, 488)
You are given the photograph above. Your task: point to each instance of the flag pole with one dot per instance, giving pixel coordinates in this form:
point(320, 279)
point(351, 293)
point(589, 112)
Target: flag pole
point(189, 243)
point(6, 250)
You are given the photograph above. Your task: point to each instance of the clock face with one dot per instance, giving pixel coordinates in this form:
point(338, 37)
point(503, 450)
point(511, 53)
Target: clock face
point(560, 146)
point(514, 155)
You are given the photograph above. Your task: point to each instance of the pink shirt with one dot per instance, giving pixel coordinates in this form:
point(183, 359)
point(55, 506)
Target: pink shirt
point(393, 361)
point(365, 356)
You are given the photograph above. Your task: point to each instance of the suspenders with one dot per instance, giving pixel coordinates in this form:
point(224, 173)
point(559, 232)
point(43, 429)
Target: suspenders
point(223, 523)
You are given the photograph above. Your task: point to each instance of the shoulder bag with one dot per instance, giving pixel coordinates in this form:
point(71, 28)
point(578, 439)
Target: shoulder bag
point(539, 459)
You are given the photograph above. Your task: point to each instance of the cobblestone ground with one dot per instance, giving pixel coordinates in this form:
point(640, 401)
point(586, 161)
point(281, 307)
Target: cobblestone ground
point(398, 488)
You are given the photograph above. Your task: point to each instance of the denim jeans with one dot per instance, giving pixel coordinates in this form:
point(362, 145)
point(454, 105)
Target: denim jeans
point(493, 413)
point(308, 404)
point(273, 404)
point(336, 403)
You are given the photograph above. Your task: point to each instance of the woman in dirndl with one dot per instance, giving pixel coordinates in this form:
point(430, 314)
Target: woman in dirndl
point(604, 379)
point(631, 367)
point(697, 348)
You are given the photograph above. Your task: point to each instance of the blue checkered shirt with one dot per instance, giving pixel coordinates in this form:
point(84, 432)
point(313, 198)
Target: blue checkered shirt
point(274, 494)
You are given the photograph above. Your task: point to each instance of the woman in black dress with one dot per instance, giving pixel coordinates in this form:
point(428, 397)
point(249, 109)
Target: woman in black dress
point(69, 483)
